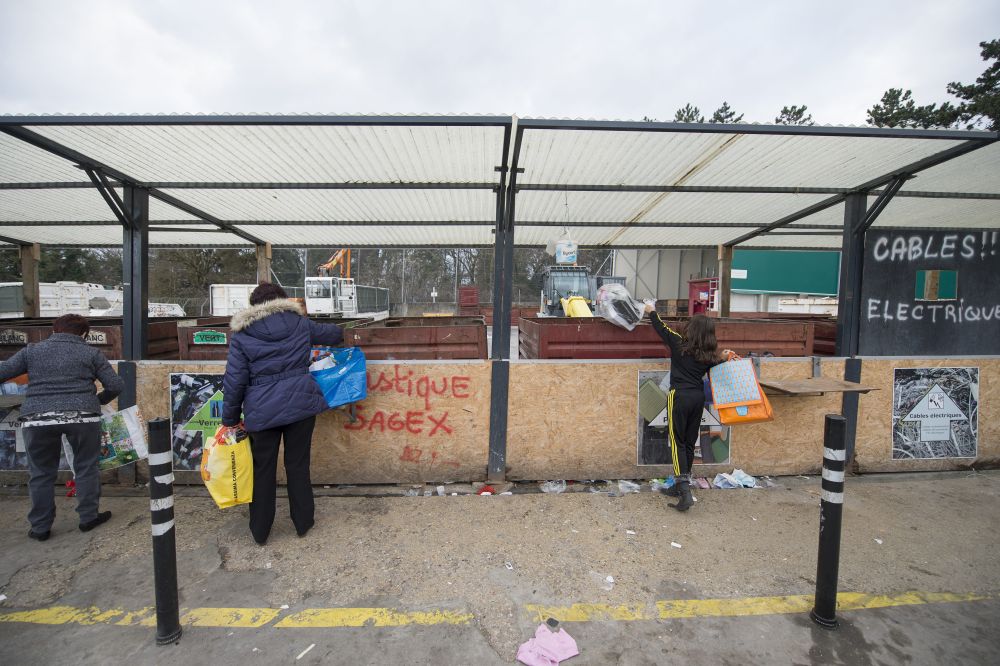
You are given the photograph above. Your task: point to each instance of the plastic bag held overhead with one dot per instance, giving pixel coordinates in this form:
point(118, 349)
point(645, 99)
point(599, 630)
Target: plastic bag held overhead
point(614, 303)
point(227, 468)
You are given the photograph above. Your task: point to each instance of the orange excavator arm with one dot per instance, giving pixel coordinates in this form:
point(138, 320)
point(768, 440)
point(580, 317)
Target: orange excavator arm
point(340, 258)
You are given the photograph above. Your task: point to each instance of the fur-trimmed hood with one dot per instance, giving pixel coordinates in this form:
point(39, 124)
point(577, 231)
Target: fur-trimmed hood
point(244, 318)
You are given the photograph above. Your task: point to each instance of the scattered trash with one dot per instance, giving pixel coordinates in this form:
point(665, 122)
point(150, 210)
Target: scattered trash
point(606, 583)
point(283, 606)
point(753, 519)
point(231, 633)
point(675, 544)
point(745, 479)
point(256, 649)
point(412, 492)
point(659, 485)
point(766, 482)
point(428, 493)
point(878, 541)
point(552, 486)
point(702, 483)
point(725, 481)
point(575, 531)
point(3, 597)
point(737, 479)
point(267, 566)
point(71, 488)
point(507, 493)
point(632, 532)
point(548, 647)
point(454, 494)
point(626, 487)
point(487, 490)
point(306, 651)
point(440, 491)
point(509, 565)
point(326, 486)
point(803, 477)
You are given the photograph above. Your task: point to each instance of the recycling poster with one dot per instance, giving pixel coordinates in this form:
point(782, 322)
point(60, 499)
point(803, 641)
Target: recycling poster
point(935, 413)
point(195, 415)
point(653, 444)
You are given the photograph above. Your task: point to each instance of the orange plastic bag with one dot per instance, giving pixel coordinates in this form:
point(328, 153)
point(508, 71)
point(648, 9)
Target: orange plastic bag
point(744, 414)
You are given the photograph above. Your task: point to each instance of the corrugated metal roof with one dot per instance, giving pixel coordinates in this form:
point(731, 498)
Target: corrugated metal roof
point(301, 154)
point(344, 205)
point(254, 172)
point(635, 158)
point(461, 235)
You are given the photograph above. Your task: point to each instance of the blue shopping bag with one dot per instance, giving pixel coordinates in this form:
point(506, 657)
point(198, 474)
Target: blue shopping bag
point(347, 380)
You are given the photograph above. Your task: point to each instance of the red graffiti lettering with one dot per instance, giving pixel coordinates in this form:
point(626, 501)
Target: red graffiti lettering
point(380, 384)
point(411, 454)
point(404, 381)
point(360, 423)
point(439, 424)
point(403, 384)
point(414, 421)
point(377, 421)
point(460, 384)
point(396, 422)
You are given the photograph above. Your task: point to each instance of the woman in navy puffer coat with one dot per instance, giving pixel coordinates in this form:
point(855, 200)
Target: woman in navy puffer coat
point(267, 378)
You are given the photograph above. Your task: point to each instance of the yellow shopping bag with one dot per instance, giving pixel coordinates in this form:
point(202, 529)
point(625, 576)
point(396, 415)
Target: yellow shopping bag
point(227, 470)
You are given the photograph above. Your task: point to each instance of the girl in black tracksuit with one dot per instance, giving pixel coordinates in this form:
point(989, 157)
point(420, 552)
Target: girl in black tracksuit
point(691, 356)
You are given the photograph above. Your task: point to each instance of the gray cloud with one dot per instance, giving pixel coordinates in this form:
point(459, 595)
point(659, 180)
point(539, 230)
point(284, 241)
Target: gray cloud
point(589, 59)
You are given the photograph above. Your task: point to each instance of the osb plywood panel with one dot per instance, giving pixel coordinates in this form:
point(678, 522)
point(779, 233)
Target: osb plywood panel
point(873, 448)
point(421, 422)
point(574, 420)
point(793, 442)
point(578, 421)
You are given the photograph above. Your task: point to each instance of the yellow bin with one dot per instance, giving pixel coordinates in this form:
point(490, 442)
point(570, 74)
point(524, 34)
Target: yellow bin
point(576, 306)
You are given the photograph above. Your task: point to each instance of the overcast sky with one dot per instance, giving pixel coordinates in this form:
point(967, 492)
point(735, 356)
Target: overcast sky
point(608, 59)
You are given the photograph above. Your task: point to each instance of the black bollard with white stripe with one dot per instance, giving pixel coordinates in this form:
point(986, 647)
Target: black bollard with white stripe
point(824, 612)
point(161, 507)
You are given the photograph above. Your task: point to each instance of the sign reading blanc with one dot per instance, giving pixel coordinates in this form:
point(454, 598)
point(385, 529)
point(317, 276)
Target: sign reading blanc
point(935, 413)
point(930, 292)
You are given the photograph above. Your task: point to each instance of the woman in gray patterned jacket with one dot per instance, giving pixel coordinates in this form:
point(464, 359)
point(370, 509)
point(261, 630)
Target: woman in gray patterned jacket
point(62, 400)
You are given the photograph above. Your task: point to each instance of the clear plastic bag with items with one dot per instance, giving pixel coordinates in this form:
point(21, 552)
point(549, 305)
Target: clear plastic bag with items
point(615, 304)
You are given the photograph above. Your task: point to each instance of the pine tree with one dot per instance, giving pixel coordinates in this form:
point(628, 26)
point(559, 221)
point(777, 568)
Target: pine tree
point(794, 115)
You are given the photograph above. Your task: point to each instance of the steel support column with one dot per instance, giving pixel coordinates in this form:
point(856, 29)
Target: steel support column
point(135, 274)
point(725, 279)
point(851, 267)
point(30, 257)
point(503, 259)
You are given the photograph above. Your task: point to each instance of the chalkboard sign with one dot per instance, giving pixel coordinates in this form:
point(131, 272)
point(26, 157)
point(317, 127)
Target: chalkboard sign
point(931, 292)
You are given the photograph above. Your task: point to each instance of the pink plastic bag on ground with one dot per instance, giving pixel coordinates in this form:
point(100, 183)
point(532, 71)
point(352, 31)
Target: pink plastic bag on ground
point(547, 648)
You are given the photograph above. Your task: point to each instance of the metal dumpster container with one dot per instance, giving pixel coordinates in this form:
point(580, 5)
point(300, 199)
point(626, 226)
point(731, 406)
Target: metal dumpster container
point(563, 337)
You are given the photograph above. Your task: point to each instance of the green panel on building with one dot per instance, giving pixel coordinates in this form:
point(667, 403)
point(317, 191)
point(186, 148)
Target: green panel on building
point(786, 271)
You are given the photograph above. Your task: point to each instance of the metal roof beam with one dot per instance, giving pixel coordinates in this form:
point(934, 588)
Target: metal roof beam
point(13, 241)
point(908, 171)
point(252, 119)
point(748, 128)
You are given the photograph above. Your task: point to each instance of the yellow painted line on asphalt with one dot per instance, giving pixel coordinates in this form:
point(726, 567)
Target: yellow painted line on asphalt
point(63, 615)
point(589, 612)
point(370, 617)
point(390, 617)
point(229, 617)
point(801, 603)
